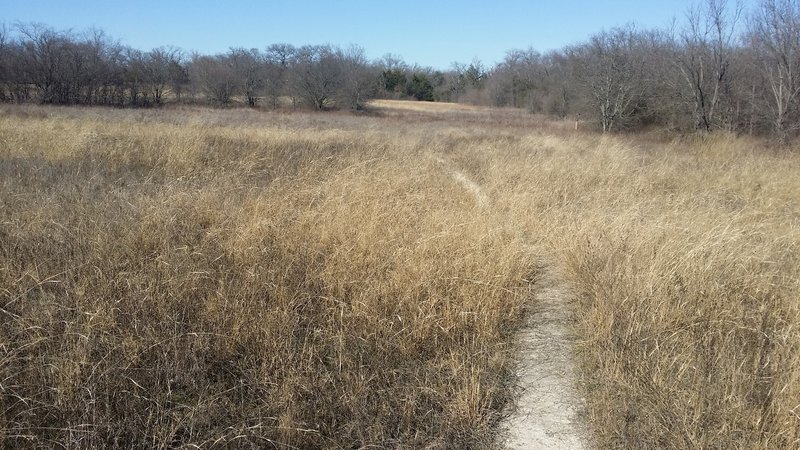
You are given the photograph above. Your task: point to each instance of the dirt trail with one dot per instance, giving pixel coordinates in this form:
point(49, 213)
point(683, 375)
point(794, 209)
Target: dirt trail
point(548, 409)
point(472, 187)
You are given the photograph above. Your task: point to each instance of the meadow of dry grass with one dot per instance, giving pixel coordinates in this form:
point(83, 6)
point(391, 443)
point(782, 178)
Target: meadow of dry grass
point(207, 278)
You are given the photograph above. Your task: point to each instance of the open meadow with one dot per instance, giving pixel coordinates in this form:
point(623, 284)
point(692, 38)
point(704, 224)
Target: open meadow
point(199, 278)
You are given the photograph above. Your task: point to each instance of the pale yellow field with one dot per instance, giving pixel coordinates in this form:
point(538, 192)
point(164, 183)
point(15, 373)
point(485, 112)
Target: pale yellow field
point(193, 277)
point(434, 107)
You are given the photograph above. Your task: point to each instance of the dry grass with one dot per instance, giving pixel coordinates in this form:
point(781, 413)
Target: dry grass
point(234, 278)
point(167, 283)
point(686, 258)
point(469, 116)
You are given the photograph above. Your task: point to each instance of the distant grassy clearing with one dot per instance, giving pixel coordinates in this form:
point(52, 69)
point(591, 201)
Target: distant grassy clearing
point(426, 106)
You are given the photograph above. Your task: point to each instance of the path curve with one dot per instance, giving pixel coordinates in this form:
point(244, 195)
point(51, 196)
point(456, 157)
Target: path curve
point(472, 187)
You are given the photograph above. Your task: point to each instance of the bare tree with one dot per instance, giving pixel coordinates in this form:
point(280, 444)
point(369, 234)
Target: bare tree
point(155, 66)
point(612, 67)
point(178, 73)
point(359, 79)
point(42, 62)
point(161, 68)
point(513, 80)
point(703, 57)
point(541, 83)
point(103, 68)
point(249, 66)
point(216, 76)
point(5, 65)
point(317, 75)
point(775, 35)
point(279, 58)
point(135, 77)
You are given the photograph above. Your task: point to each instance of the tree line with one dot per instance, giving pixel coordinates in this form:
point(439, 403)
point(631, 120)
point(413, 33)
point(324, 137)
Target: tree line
point(44, 65)
point(722, 68)
point(40, 64)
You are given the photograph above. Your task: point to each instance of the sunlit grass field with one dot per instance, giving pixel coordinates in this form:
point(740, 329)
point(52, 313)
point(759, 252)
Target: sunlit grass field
point(206, 278)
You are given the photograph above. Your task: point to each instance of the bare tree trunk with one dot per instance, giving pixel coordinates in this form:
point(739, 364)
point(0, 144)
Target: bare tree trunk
point(775, 32)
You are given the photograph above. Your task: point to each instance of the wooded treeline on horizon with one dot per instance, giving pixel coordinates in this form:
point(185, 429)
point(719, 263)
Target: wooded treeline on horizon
point(722, 68)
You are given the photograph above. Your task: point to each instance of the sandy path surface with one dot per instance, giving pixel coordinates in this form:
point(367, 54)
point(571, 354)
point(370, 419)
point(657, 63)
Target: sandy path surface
point(549, 407)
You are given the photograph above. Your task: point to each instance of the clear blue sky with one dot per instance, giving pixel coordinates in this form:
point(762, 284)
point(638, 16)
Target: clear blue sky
point(430, 33)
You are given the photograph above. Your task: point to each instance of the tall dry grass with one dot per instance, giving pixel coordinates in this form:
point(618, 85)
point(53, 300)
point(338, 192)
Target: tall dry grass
point(165, 283)
point(232, 278)
point(686, 260)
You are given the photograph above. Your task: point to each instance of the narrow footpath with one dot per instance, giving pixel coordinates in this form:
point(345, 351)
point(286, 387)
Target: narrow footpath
point(547, 414)
point(549, 407)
